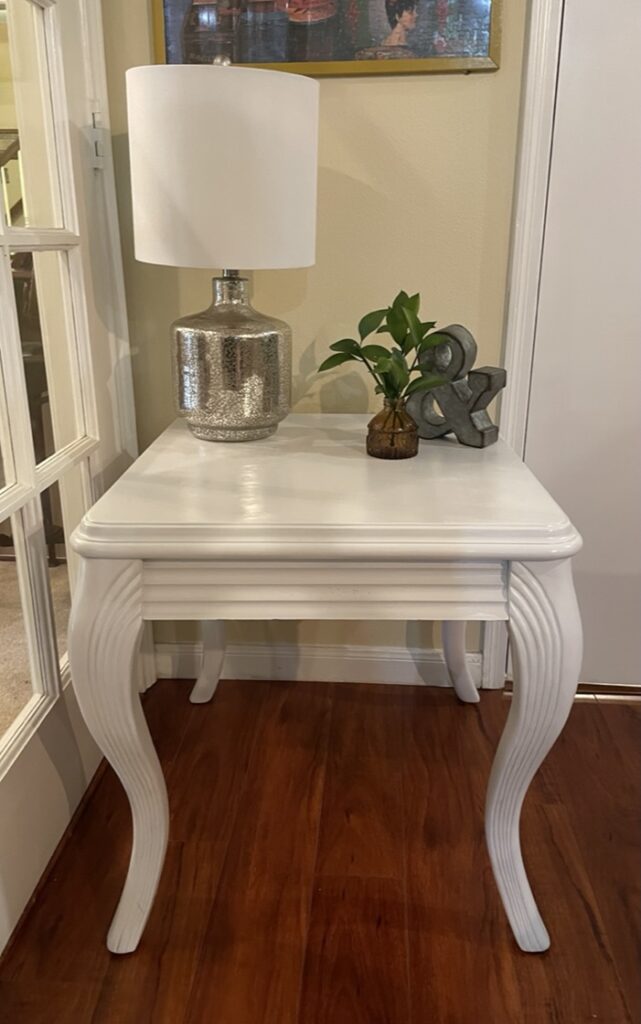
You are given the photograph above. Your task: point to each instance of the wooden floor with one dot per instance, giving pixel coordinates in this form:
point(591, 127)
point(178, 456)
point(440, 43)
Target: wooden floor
point(327, 866)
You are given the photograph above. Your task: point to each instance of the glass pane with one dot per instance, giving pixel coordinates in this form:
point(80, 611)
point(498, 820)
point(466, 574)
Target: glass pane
point(15, 675)
point(41, 287)
point(62, 508)
point(5, 474)
point(28, 165)
point(57, 562)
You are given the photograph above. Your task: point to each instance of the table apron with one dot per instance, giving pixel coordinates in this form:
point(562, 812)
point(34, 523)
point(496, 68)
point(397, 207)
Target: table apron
point(329, 590)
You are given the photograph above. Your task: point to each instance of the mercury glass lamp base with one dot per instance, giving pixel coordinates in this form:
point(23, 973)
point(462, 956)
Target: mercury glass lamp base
point(220, 434)
point(232, 366)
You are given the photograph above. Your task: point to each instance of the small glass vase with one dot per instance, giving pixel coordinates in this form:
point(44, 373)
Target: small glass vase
point(392, 433)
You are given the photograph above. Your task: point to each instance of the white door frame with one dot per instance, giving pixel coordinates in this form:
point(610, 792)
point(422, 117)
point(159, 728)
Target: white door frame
point(48, 757)
point(538, 105)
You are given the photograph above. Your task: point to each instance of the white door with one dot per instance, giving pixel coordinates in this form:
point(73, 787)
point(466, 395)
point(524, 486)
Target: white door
point(584, 422)
point(66, 408)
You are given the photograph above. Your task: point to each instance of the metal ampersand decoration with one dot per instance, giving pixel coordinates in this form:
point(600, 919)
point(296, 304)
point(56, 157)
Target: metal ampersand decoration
point(463, 401)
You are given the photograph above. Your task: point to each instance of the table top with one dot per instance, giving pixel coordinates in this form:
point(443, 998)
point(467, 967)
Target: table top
point(311, 492)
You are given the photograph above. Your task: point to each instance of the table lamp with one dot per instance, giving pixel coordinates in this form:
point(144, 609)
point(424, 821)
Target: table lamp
point(223, 175)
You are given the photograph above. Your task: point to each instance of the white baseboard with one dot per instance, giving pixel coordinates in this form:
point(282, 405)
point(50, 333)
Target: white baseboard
point(315, 663)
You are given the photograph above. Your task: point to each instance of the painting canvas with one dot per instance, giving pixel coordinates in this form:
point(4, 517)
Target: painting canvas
point(332, 36)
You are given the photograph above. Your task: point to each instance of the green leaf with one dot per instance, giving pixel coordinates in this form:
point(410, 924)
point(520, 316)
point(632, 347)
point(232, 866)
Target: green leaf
point(370, 322)
point(336, 360)
point(425, 384)
point(401, 300)
point(438, 337)
point(397, 325)
point(399, 370)
point(414, 303)
point(427, 325)
point(383, 329)
point(346, 345)
point(432, 340)
point(399, 356)
point(374, 352)
point(385, 374)
point(414, 326)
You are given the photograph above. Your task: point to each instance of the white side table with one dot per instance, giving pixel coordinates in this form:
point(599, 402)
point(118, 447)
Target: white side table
point(306, 525)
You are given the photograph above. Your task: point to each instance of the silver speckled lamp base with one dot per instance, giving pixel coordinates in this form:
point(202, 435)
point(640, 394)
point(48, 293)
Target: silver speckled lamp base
point(232, 367)
point(232, 434)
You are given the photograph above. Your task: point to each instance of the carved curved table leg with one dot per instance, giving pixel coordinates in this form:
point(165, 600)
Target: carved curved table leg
point(455, 658)
point(546, 636)
point(213, 635)
point(104, 635)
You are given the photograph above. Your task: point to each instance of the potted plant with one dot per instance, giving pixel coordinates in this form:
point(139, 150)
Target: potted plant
point(392, 433)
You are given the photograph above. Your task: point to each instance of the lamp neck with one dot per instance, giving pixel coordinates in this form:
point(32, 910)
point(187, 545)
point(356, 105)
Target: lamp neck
point(230, 290)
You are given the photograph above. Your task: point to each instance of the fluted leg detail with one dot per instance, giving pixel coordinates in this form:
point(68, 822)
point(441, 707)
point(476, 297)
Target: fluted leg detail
point(213, 637)
point(546, 638)
point(104, 636)
point(453, 634)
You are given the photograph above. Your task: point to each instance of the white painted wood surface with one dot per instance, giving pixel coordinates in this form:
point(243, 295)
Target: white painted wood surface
point(104, 639)
point(584, 419)
point(309, 490)
point(305, 524)
point(456, 661)
point(213, 655)
point(545, 629)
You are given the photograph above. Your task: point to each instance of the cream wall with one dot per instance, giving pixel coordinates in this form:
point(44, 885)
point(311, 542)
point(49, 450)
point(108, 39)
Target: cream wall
point(7, 104)
point(415, 188)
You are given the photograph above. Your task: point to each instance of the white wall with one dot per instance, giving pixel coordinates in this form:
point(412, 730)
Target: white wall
point(584, 421)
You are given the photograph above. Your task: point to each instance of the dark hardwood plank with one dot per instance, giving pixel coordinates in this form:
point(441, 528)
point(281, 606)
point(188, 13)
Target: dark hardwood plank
point(64, 1002)
point(362, 821)
point(205, 791)
point(168, 713)
point(356, 969)
point(596, 767)
point(573, 981)
point(356, 966)
point(462, 956)
point(458, 931)
point(250, 963)
point(74, 907)
point(263, 866)
point(584, 983)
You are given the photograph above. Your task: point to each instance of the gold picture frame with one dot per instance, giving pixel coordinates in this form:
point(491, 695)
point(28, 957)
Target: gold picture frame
point(488, 61)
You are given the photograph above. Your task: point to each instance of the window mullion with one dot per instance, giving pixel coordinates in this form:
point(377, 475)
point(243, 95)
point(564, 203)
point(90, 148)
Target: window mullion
point(31, 556)
point(83, 383)
point(33, 239)
point(56, 465)
point(13, 497)
point(18, 422)
point(45, 4)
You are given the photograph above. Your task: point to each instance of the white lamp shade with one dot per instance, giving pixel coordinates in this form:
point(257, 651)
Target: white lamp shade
point(223, 166)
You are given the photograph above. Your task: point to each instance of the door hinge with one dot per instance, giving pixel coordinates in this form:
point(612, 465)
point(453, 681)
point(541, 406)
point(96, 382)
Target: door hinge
point(97, 138)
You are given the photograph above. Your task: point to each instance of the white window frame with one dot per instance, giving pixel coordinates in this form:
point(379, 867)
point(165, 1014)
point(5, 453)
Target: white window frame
point(20, 499)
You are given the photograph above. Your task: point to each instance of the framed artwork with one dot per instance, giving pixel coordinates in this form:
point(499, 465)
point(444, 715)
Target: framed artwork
point(332, 37)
